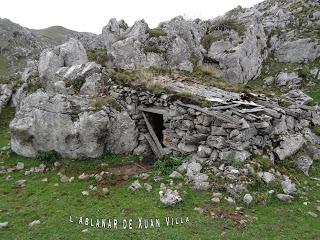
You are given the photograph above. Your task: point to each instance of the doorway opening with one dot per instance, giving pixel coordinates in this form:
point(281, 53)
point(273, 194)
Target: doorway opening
point(157, 123)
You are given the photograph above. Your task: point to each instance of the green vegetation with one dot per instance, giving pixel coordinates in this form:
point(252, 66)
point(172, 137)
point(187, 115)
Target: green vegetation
point(316, 130)
point(48, 157)
point(99, 102)
point(156, 32)
point(167, 165)
point(3, 66)
point(152, 49)
point(98, 55)
point(75, 83)
point(33, 86)
point(6, 116)
point(227, 25)
point(207, 40)
point(55, 35)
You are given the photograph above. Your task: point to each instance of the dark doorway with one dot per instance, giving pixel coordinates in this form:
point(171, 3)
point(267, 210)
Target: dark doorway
point(156, 121)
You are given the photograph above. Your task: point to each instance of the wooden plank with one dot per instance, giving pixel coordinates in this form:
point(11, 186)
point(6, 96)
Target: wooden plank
point(215, 114)
point(161, 111)
point(153, 145)
point(153, 134)
point(225, 106)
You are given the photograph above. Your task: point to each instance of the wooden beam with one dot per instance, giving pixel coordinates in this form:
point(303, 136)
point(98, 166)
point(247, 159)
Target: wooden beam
point(215, 114)
point(153, 145)
point(161, 111)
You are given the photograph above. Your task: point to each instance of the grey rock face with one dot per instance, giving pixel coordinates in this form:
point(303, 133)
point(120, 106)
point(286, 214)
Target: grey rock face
point(298, 51)
point(5, 95)
point(241, 61)
point(289, 146)
point(66, 55)
point(68, 125)
point(123, 136)
point(112, 31)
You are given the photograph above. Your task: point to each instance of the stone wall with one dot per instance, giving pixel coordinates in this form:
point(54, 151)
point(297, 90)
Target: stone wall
point(231, 131)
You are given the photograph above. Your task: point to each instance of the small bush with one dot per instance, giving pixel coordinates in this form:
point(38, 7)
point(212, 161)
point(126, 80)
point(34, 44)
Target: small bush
point(99, 102)
point(153, 49)
point(168, 164)
point(48, 156)
point(207, 41)
point(33, 87)
point(98, 55)
point(156, 32)
point(229, 24)
point(75, 83)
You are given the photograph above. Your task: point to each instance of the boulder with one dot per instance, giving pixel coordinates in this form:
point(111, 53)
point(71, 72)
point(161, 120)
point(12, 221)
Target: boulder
point(289, 146)
point(113, 31)
point(65, 55)
point(288, 187)
point(298, 97)
point(287, 79)
point(70, 126)
point(170, 197)
point(304, 163)
point(122, 138)
point(5, 95)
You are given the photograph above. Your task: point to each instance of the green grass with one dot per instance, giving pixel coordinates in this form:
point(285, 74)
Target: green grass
point(6, 115)
point(98, 55)
point(53, 205)
point(3, 67)
point(156, 32)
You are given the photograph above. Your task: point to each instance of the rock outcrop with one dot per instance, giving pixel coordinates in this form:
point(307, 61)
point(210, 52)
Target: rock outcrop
point(5, 95)
point(70, 126)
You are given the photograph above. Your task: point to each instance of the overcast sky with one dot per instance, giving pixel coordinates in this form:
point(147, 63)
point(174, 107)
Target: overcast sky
point(92, 15)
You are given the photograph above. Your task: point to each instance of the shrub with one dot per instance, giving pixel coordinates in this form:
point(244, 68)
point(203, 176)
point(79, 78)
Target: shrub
point(75, 83)
point(98, 55)
point(33, 87)
point(168, 164)
point(48, 156)
point(99, 102)
point(153, 49)
point(207, 41)
point(229, 24)
point(156, 32)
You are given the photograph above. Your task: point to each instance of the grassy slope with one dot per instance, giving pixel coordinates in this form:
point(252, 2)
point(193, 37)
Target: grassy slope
point(54, 34)
point(53, 205)
point(3, 67)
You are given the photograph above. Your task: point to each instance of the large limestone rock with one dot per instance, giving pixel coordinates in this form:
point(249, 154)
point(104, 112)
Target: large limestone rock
point(241, 58)
point(123, 135)
point(298, 51)
point(5, 95)
point(66, 55)
point(177, 47)
point(68, 125)
point(112, 31)
point(73, 53)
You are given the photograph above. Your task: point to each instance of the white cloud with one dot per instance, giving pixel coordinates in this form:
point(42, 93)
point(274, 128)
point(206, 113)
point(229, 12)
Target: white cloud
point(92, 15)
